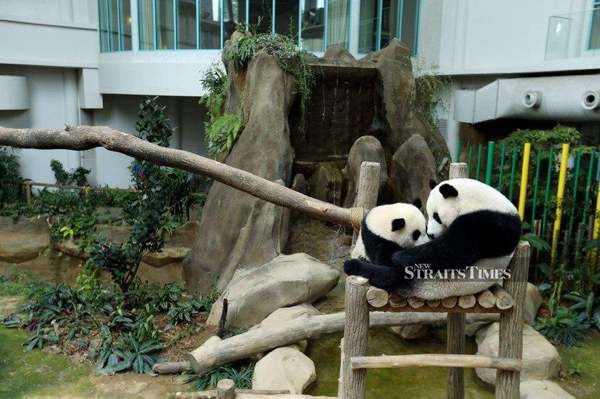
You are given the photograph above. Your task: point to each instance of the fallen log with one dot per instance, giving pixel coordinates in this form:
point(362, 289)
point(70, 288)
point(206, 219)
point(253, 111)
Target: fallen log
point(262, 339)
point(432, 360)
point(87, 137)
point(171, 367)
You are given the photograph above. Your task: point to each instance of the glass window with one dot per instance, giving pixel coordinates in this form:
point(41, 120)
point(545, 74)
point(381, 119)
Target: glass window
point(165, 30)
point(286, 17)
point(234, 13)
point(113, 6)
point(338, 13)
point(409, 23)
point(367, 31)
point(595, 27)
point(313, 24)
point(125, 24)
point(389, 21)
point(210, 25)
point(261, 12)
point(146, 24)
point(186, 24)
point(103, 21)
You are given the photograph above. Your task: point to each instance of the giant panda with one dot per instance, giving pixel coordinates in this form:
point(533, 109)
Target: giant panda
point(469, 224)
point(387, 229)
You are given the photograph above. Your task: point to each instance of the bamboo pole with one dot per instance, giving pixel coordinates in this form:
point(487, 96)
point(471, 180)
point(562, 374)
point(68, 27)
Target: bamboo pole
point(432, 360)
point(596, 232)
point(513, 171)
point(575, 188)
point(562, 178)
point(588, 187)
point(489, 163)
point(470, 160)
point(536, 178)
point(501, 173)
point(524, 179)
point(356, 331)
point(547, 191)
point(479, 155)
point(511, 324)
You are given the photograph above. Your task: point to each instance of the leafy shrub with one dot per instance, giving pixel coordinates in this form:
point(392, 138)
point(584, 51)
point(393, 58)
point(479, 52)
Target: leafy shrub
point(78, 177)
point(544, 138)
point(563, 326)
point(10, 179)
point(222, 134)
point(240, 372)
point(428, 96)
point(215, 84)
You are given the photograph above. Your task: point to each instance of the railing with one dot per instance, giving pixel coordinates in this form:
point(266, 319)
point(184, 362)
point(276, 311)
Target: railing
point(574, 35)
point(557, 191)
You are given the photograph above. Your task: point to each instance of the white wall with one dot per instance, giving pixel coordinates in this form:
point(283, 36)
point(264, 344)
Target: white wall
point(49, 32)
point(508, 36)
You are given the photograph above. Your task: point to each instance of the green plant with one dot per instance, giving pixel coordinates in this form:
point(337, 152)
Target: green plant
point(428, 96)
point(78, 177)
point(240, 372)
point(222, 133)
point(40, 338)
point(215, 84)
point(545, 138)
point(563, 326)
point(10, 179)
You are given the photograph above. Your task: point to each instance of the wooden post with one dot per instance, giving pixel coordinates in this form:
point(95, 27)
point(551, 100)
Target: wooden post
point(511, 323)
point(356, 329)
point(226, 389)
point(456, 341)
point(368, 188)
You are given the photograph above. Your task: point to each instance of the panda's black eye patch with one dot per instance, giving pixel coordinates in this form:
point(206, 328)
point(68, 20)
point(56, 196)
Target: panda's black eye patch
point(398, 224)
point(436, 217)
point(416, 234)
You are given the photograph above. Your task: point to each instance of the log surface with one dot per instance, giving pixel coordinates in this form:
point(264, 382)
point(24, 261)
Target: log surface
point(83, 138)
point(433, 360)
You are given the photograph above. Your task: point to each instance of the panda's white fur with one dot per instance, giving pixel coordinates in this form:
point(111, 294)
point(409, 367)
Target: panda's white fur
point(473, 196)
point(471, 224)
point(379, 222)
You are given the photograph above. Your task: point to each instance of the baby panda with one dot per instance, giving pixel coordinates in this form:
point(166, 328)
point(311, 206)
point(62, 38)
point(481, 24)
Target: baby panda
point(469, 224)
point(388, 229)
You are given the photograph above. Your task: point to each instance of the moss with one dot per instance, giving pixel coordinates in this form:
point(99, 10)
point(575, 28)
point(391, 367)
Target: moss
point(36, 372)
point(414, 383)
point(582, 363)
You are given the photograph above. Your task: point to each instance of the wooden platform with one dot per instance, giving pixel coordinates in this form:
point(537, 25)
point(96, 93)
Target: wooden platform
point(492, 300)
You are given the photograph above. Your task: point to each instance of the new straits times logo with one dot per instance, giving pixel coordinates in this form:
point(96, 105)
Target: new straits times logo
point(423, 271)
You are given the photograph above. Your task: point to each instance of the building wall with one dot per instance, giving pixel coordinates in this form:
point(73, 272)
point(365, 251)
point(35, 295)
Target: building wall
point(493, 37)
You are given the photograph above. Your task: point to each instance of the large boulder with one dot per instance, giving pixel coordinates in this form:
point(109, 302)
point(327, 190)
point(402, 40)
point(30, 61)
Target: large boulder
point(284, 369)
point(541, 360)
point(533, 301)
point(237, 228)
point(543, 389)
point(412, 168)
point(327, 183)
point(287, 280)
point(22, 240)
point(364, 149)
point(290, 313)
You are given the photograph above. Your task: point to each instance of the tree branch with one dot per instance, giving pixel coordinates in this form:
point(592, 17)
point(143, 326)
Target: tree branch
point(87, 137)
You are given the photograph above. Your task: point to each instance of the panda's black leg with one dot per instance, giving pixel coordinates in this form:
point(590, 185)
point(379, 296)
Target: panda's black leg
point(383, 277)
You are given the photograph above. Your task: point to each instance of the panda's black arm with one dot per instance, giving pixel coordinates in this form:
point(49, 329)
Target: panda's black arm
point(384, 277)
point(474, 236)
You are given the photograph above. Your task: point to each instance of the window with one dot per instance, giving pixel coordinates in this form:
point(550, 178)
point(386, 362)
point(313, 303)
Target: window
point(186, 24)
point(234, 13)
point(146, 24)
point(286, 17)
point(165, 24)
point(338, 18)
point(313, 24)
point(210, 25)
point(594, 41)
point(261, 15)
point(114, 23)
point(383, 20)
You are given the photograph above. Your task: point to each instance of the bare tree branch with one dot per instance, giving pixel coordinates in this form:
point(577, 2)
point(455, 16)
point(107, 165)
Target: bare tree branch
point(87, 137)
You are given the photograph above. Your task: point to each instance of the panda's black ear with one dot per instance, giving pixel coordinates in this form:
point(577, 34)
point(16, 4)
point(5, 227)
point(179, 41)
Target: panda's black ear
point(417, 202)
point(448, 191)
point(398, 224)
point(432, 184)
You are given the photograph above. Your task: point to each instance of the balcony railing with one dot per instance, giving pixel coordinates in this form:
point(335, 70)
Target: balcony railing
point(574, 35)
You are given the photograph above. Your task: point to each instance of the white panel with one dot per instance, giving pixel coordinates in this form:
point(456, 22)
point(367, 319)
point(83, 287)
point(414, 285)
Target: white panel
point(486, 102)
point(89, 89)
point(14, 94)
point(464, 106)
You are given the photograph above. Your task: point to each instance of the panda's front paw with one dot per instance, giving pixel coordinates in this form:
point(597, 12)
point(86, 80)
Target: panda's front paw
point(352, 267)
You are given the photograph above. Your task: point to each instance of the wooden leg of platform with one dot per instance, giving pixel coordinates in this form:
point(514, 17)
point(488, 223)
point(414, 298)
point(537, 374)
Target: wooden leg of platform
point(456, 343)
point(356, 331)
point(511, 324)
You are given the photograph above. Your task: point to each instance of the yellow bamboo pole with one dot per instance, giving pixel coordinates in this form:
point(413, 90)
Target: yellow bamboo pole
point(562, 179)
point(596, 231)
point(524, 179)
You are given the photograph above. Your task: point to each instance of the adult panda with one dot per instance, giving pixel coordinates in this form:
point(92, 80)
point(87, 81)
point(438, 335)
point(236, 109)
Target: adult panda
point(470, 224)
point(387, 229)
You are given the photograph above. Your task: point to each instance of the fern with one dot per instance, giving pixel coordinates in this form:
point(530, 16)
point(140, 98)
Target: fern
point(222, 134)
